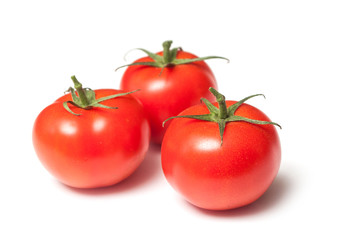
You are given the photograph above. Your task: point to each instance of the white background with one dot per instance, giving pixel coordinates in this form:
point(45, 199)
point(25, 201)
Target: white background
point(305, 56)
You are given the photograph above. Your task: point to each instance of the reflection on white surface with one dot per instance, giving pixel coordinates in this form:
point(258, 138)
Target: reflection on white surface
point(208, 145)
point(157, 85)
point(98, 125)
point(68, 128)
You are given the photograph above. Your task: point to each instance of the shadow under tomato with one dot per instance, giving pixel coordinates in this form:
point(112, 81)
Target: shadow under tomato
point(270, 199)
point(148, 170)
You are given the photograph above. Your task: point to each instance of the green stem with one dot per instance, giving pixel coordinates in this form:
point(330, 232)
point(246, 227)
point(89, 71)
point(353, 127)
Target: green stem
point(221, 103)
point(166, 52)
point(169, 58)
point(222, 115)
point(86, 98)
point(79, 88)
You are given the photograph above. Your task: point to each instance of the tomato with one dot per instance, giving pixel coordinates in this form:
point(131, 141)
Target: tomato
point(215, 174)
point(168, 86)
point(98, 148)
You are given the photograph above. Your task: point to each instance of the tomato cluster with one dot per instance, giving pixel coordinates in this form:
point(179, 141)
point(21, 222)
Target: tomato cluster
point(218, 155)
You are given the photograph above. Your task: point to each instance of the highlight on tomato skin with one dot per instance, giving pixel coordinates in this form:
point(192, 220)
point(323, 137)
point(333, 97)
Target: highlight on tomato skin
point(95, 146)
point(170, 81)
point(219, 166)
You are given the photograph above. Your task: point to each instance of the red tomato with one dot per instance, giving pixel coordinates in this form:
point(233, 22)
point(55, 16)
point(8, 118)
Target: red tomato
point(165, 93)
point(219, 177)
point(98, 148)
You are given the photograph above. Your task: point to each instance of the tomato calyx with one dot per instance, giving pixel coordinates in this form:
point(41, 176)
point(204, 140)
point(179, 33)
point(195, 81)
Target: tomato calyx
point(169, 58)
point(223, 115)
point(85, 97)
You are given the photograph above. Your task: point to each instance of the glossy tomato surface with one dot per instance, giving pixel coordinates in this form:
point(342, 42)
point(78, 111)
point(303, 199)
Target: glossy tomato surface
point(219, 177)
point(167, 93)
point(99, 148)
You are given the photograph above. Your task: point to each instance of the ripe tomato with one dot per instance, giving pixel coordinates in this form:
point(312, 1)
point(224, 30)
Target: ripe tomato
point(98, 148)
point(215, 175)
point(167, 86)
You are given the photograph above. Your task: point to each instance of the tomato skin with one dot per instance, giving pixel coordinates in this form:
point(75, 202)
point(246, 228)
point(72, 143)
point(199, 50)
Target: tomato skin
point(99, 148)
point(167, 94)
point(217, 177)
